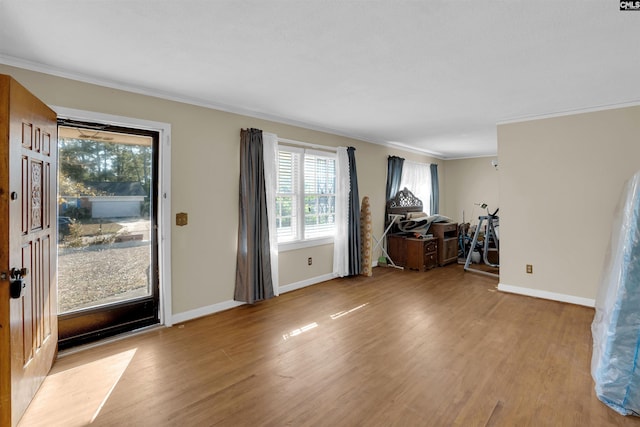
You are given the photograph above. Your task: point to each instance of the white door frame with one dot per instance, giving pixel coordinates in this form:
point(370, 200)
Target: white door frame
point(164, 187)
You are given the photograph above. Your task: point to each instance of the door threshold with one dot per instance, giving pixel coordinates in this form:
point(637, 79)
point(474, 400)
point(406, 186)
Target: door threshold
point(109, 340)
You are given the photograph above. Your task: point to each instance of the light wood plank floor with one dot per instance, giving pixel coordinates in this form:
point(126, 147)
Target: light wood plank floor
point(441, 348)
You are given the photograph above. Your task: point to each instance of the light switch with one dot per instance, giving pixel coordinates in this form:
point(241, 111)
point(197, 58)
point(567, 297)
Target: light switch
point(182, 218)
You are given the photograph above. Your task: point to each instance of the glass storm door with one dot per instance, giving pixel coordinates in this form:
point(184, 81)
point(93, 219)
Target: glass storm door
point(107, 231)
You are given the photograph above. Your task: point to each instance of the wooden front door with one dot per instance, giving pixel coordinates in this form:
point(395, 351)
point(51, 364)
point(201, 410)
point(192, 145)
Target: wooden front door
point(28, 228)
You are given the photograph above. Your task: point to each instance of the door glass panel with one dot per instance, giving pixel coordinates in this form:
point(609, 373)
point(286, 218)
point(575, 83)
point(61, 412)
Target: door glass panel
point(104, 217)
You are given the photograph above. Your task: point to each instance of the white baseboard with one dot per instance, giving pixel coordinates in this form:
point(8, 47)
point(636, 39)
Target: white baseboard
point(226, 305)
point(308, 282)
point(205, 311)
point(587, 302)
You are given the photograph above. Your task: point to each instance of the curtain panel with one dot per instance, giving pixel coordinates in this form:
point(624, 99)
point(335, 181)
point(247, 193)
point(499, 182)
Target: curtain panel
point(270, 150)
point(417, 178)
point(341, 238)
point(347, 254)
point(435, 190)
point(254, 281)
point(394, 175)
point(355, 254)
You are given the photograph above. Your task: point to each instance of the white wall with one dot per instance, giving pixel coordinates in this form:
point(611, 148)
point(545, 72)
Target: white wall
point(560, 181)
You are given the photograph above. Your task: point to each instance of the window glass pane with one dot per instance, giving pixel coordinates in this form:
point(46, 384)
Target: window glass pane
point(319, 175)
point(286, 196)
point(285, 218)
point(105, 199)
point(310, 197)
point(286, 172)
point(319, 216)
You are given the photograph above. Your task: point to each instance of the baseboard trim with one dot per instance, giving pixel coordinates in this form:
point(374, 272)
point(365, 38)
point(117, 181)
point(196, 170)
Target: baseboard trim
point(226, 305)
point(537, 293)
point(307, 282)
point(205, 311)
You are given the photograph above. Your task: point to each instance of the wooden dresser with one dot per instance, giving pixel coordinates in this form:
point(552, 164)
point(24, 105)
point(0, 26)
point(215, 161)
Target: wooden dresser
point(447, 235)
point(413, 254)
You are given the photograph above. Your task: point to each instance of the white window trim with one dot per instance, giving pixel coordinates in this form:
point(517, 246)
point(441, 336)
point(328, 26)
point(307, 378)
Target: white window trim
point(165, 314)
point(317, 150)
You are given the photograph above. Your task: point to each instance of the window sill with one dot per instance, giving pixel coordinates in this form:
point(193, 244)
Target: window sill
point(301, 244)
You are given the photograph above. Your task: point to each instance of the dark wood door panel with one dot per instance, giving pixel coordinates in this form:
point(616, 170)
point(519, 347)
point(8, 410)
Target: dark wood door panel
point(28, 323)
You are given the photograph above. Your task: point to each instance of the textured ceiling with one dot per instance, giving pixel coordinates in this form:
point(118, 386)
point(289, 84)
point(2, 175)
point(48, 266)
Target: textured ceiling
point(432, 75)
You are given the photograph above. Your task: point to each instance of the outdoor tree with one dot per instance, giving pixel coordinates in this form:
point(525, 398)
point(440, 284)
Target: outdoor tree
point(83, 161)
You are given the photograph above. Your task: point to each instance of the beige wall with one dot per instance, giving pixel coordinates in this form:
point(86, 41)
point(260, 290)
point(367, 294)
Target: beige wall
point(560, 180)
point(205, 170)
point(470, 181)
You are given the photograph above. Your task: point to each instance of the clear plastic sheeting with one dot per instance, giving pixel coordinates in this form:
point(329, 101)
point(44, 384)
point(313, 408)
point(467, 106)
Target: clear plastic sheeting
point(616, 325)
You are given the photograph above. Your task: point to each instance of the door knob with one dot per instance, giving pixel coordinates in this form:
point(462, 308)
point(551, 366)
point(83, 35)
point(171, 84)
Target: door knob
point(16, 284)
point(19, 273)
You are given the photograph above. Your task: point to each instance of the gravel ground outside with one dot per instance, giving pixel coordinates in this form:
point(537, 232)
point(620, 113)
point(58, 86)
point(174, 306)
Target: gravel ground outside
point(101, 274)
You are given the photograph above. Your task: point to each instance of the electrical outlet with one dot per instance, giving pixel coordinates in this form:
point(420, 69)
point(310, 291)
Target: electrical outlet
point(529, 269)
point(309, 261)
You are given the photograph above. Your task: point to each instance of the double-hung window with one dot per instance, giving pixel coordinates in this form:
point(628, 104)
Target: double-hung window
point(306, 196)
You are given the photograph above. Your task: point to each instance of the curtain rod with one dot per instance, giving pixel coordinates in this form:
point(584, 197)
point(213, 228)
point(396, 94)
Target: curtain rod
point(307, 144)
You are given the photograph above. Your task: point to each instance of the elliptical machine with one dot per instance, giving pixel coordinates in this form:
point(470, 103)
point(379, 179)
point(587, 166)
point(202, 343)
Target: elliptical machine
point(492, 220)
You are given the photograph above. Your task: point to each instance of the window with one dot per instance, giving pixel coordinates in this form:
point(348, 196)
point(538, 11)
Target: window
point(417, 178)
point(306, 195)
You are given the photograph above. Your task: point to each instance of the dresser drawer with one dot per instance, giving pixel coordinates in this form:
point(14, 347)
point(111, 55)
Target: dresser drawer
point(446, 226)
point(430, 260)
point(430, 246)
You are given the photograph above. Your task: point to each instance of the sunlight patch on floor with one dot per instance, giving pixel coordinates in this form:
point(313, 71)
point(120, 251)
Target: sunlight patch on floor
point(344, 313)
point(300, 330)
point(78, 393)
point(314, 325)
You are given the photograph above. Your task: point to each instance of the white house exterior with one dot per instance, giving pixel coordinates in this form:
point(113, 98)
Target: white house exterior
point(115, 200)
point(115, 206)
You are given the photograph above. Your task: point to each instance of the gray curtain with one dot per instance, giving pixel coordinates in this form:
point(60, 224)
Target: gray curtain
point(253, 264)
point(435, 190)
point(355, 255)
point(394, 175)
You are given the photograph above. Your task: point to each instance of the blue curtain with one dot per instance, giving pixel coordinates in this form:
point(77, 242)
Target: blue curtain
point(435, 190)
point(355, 255)
point(394, 175)
point(253, 263)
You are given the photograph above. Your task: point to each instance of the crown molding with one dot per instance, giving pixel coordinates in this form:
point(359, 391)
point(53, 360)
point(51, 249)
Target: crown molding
point(479, 156)
point(634, 103)
point(141, 90)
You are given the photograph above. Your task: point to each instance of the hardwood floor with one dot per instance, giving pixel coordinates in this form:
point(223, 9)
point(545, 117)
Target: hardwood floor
point(402, 348)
